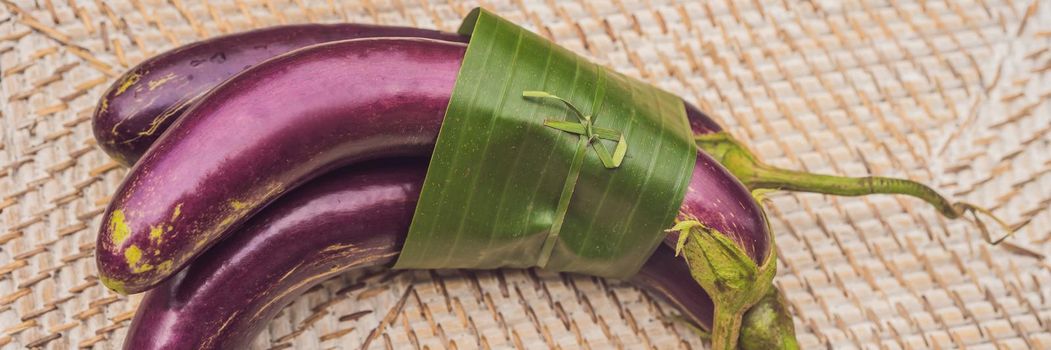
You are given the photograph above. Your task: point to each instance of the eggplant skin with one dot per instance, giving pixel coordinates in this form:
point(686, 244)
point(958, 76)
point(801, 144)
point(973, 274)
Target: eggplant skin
point(137, 108)
point(718, 200)
point(280, 124)
point(353, 217)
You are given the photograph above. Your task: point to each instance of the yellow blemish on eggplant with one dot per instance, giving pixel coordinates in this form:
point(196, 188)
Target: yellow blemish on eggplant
point(142, 268)
point(315, 278)
point(133, 255)
point(290, 272)
point(238, 205)
point(114, 285)
point(127, 83)
point(337, 247)
point(273, 188)
point(153, 84)
point(165, 266)
point(156, 233)
point(200, 244)
point(226, 222)
point(209, 342)
point(118, 227)
point(176, 212)
point(104, 105)
point(290, 290)
point(156, 123)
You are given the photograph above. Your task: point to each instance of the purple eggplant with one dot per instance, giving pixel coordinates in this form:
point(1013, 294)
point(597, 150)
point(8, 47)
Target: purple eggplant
point(297, 116)
point(267, 131)
point(144, 101)
point(352, 217)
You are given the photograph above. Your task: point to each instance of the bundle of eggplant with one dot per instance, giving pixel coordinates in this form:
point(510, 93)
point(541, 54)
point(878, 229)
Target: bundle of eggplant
point(265, 162)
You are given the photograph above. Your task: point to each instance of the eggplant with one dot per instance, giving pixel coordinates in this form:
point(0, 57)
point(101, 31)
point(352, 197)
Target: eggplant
point(300, 115)
point(126, 122)
point(140, 105)
point(269, 130)
point(352, 217)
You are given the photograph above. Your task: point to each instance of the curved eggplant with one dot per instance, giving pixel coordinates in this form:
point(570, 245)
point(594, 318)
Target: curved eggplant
point(136, 109)
point(130, 116)
point(349, 218)
point(282, 123)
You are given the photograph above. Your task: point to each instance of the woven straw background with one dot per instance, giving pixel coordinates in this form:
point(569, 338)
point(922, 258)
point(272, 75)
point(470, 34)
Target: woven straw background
point(952, 93)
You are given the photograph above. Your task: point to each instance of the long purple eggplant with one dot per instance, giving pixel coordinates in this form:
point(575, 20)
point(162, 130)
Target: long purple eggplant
point(267, 131)
point(292, 118)
point(144, 101)
point(352, 217)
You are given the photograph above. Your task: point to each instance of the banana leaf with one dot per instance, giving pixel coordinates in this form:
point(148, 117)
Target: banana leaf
point(546, 159)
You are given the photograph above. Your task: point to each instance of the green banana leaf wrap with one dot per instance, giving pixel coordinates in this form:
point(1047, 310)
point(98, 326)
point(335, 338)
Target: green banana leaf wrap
point(513, 183)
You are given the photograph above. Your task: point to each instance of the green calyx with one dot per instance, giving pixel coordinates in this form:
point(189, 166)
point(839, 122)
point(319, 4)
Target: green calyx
point(734, 282)
point(756, 175)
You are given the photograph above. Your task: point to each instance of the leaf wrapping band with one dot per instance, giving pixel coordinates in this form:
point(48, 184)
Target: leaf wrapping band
point(497, 192)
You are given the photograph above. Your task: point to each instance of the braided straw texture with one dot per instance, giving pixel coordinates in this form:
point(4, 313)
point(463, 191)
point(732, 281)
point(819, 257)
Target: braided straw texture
point(951, 93)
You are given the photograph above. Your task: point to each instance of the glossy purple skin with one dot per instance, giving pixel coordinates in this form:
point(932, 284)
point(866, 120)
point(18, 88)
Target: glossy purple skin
point(349, 218)
point(245, 144)
point(716, 199)
point(137, 108)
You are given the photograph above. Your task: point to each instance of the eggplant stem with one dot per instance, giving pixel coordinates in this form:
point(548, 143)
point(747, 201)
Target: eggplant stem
point(757, 175)
point(726, 327)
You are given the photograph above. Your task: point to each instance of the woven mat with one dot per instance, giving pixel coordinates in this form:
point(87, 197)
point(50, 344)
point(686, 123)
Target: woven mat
point(952, 93)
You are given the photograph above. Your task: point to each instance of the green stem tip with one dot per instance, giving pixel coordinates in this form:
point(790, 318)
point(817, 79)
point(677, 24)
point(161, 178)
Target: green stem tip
point(767, 325)
point(757, 175)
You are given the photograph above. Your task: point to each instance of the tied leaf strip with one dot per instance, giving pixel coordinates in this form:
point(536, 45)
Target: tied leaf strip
point(586, 129)
point(589, 135)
